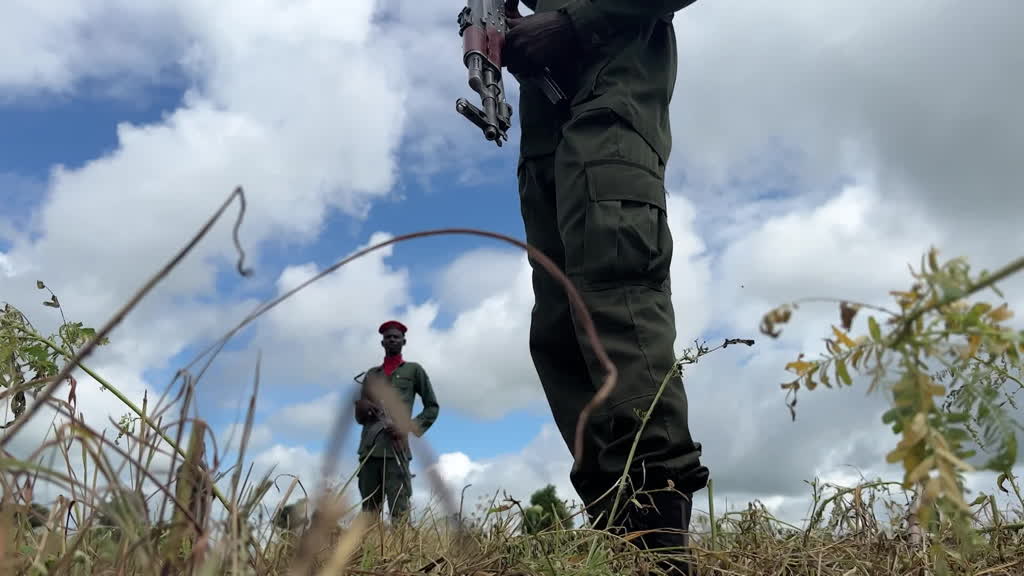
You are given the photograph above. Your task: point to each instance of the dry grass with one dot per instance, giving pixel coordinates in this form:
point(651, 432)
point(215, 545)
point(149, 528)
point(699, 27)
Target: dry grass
point(156, 501)
point(856, 530)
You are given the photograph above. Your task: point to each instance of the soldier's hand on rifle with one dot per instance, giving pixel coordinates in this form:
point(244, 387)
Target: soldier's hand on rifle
point(364, 409)
point(538, 40)
point(512, 9)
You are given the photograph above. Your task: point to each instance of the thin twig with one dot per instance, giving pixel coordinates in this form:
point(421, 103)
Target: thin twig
point(120, 315)
point(1004, 272)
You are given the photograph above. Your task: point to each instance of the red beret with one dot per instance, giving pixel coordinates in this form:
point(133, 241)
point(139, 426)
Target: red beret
point(392, 324)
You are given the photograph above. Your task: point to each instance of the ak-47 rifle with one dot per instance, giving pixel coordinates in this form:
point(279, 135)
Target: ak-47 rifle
point(378, 421)
point(482, 27)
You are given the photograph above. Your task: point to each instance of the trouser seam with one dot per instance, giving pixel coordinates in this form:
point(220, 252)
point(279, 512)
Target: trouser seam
point(628, 294)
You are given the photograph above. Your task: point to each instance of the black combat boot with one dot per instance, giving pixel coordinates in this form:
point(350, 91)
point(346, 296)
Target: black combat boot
point(668, 513)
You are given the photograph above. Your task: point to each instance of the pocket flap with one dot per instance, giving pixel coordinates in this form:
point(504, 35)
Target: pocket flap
point(624, 180)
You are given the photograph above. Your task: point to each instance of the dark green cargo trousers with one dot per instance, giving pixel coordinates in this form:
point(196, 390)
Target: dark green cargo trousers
point(385, 477)
point(597, 208)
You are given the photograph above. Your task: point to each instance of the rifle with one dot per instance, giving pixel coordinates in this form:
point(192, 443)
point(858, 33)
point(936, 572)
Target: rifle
point(482, 28)
point(380, 421)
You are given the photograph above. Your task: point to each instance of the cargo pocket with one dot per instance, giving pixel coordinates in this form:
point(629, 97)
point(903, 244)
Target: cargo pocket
point(626, 235)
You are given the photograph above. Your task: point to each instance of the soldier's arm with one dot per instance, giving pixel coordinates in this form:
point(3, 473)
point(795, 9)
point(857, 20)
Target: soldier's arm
point(364, 407)
point(428, 415)
point(596, 21)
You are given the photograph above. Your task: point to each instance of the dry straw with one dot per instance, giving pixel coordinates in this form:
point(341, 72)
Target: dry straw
point(105, 521)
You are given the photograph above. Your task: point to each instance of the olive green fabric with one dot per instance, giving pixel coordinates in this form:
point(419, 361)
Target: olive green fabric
point(591, 184)
point(408, 380)
point(628, 64)
point(385, 477)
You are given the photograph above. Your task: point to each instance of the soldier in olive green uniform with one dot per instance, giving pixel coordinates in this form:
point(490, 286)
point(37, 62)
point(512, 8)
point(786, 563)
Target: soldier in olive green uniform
point(386, 451)
point(591, 183)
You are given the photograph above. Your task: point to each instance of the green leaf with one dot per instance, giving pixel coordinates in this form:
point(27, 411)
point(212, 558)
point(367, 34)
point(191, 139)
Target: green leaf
point(976, 311)
point(36, 352)
point(957, 417)
point(956, 434)
point(981, 499)
point(891, 415)
point(1006, 457)
point(950, 291)
point(855, 358)
point(999, 482)
point(876, 331)
point(841, 372)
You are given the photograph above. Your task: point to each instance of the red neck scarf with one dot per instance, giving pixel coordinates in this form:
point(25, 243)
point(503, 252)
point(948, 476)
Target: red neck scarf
point(391, 363)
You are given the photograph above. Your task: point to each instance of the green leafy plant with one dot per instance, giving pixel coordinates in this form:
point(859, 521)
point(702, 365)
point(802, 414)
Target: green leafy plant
point(951, 365)
point(28, 359)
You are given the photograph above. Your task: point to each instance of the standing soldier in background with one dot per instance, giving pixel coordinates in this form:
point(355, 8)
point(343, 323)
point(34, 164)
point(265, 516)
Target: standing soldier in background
point(592, 192)
point(382, 445)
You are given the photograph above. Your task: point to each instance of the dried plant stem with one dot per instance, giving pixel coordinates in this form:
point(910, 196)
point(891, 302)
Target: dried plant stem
point(121, 314)
point(127, 402)
point(674, 371)
point(346, 547)
point(997, 276)
point(711, 513)
point(624, 478)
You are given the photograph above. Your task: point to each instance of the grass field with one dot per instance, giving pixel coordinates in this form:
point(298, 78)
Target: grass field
point(951, 365)
point(855, 530)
